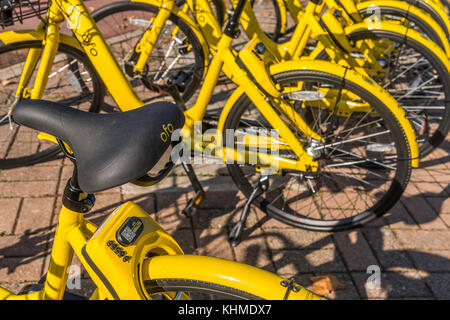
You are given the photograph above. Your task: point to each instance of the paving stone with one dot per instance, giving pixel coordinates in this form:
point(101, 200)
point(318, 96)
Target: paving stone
point(25, 245)
point(214, 243)
point(441, 175)
point(224, 198)
point(355, 250)
point(423, 213)
point(20, 269)
point(411, 190)
point(185, 238)
point(52, 162)
point(220, 217)
point(33, 173)
point(8, 211)
point(252, 250)
point(422, 175)
point(424, 239)
point(388, 250)
point(16, 287)
point(301, 261)
point(399, 218)
point(172, 219)
point(27, 189)
point(287, 239)
point(431, 189)
point(35, 215)
point(439, 284)
point(440, 205)
point(446, 219)
point(392, 285)
point(177, 200)
point(431, 260)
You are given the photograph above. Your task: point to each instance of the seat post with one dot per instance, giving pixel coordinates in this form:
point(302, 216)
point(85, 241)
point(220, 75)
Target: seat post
point(74, 198)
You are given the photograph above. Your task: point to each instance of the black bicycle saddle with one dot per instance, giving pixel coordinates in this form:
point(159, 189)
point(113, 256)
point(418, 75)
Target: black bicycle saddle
point(110, 149)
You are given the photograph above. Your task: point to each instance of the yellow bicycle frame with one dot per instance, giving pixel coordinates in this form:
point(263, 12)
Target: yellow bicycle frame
point(92, 43)
point(161, 257)
point(352, 9)
point(293, 49)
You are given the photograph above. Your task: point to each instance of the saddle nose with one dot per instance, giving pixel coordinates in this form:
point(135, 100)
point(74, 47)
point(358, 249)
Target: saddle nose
point(110, 149)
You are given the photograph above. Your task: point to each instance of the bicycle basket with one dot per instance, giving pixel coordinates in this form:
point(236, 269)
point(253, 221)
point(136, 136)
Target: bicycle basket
point(12, 11)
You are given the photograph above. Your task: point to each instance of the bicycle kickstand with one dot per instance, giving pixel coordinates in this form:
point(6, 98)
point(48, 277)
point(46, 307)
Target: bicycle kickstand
point(260, 188)
point(193, 203)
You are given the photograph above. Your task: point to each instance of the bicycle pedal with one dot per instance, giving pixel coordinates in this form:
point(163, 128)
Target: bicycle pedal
point(193, 204)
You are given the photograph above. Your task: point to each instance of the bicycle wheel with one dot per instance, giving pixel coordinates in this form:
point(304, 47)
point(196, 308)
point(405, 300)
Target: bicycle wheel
point(363, 165)
point(213, 278)
point(409, 20)
point(124, 23)
point(416, 77)
point(72, 81)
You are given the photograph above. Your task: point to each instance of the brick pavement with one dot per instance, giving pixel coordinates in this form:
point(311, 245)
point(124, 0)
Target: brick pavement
point(410, 244)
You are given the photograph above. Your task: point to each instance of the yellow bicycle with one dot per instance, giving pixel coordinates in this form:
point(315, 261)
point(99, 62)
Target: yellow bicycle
point(129, 256)
point(413, 69)
point(329, 147)
point(428, 17)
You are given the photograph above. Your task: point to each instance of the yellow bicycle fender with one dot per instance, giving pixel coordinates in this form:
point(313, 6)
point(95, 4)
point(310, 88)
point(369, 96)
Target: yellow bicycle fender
point(439, 9)
point(362, 81)
point(413, 10)
point(401, 30)
point(11, 37)
point(283, 15)
point(258, 282)
point(191, 24)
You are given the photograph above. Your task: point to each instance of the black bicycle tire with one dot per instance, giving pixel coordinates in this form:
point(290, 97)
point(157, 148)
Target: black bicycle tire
point(178, 284)
point(99, 90)
point(444, 127)
point(386, 202)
